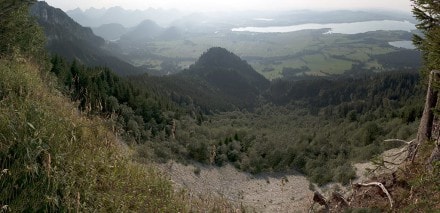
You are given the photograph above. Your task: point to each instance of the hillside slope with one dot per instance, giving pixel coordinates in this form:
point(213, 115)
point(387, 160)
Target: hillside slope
point(228, 72)
point(55, 159)
point(67, 38)
point(145, 31)
point(110, 31)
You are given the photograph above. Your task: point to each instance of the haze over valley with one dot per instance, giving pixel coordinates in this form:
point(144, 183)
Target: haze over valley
point(318, 42)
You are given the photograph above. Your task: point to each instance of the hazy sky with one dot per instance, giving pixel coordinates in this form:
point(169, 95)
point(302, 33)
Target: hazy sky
point(212, 5)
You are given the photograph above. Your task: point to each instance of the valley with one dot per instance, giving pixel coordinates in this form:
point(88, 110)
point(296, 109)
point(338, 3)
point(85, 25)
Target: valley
point(279, 55)
point(359, 41)
point(305, 101)
point(177, 111)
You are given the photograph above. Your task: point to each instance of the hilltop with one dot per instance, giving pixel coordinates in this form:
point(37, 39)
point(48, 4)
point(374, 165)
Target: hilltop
point(230, 74)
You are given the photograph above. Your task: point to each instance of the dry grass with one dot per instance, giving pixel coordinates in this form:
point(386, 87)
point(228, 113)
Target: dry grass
point(53, 158)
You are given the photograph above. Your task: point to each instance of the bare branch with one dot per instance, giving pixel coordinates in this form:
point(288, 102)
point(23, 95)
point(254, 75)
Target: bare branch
point(400, 140)
point(381, 186)
point(403, 150)
point(392, 163)
point(409, 148)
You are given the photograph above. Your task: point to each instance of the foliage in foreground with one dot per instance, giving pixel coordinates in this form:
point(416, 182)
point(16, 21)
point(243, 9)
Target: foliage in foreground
point(413, 187)
point(54, 159)
point(424, 184)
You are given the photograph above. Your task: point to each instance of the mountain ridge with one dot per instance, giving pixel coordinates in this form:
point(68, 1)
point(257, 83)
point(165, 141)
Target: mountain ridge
point(94, 17)
point(69, 39)
point(110, 31)
point(144, 31)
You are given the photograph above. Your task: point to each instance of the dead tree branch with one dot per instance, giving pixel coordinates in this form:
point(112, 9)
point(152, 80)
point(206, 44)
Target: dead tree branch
point(405, 149)
point(381, 186)
point(400, 140)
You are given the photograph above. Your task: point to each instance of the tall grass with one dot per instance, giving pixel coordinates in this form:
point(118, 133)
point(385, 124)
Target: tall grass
point(54, 159)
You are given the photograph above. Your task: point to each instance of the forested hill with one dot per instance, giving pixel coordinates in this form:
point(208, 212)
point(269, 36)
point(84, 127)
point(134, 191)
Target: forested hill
point(145, 31)
point(217, 63)
point(110, 31)
point(67, 38)
point(218, 81)
point(361, 94)
point(228, 73)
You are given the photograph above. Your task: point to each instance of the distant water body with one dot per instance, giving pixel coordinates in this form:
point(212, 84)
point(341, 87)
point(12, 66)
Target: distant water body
point(342, 28)
point(403, 44)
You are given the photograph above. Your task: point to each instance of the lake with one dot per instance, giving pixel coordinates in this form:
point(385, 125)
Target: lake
point(402, 44)
point(343, 28)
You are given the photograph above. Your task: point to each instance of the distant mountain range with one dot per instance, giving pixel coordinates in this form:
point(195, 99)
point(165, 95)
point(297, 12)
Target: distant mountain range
point(110, 32)
point(128, 18)
point(146, 30)
point(219, 80)
point(140, 26)
point(193, 21)
point(67, 38)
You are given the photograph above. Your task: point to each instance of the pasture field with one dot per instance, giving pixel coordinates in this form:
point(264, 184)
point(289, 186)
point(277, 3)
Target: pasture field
point(271, 53)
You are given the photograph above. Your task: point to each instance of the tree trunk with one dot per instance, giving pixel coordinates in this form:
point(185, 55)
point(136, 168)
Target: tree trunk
point(426, 122)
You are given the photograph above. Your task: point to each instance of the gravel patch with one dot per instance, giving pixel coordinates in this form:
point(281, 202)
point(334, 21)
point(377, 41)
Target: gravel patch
point(269, 192)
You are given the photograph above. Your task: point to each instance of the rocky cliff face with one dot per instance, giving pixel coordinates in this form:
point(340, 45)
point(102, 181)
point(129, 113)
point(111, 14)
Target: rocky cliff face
point(59, 26)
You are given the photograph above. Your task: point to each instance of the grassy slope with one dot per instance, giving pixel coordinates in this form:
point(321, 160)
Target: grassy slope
point(53, 159)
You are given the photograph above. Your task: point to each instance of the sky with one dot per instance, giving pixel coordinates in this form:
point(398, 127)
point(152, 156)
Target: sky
point(236, 5)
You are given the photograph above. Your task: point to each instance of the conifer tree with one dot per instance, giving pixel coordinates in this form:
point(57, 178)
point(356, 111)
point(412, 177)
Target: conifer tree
point(427, 12)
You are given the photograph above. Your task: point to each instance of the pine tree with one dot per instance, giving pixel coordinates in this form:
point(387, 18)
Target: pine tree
point(428, 14)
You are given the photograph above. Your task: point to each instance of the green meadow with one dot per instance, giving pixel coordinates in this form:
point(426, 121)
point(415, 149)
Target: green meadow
point(271, 53)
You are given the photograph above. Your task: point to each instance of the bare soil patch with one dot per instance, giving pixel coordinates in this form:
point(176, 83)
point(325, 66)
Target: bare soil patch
point(269, 192)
